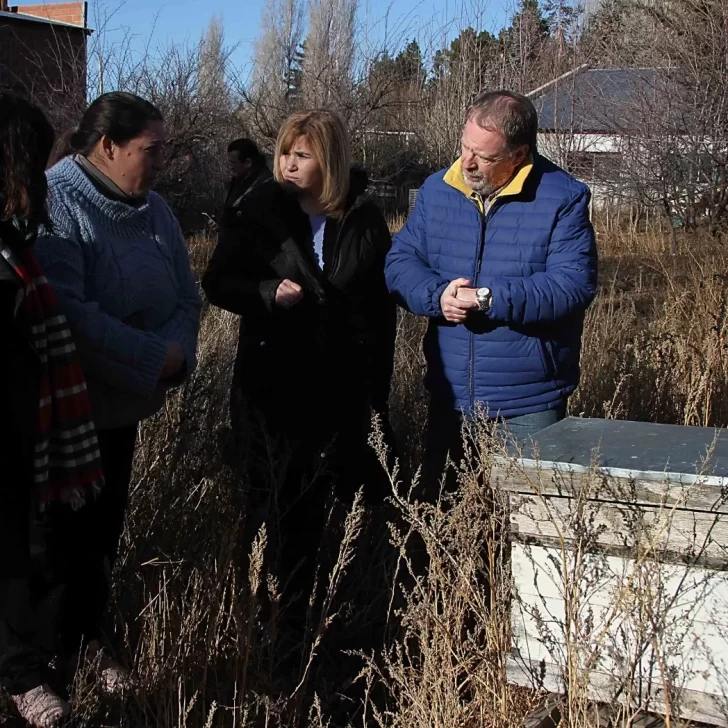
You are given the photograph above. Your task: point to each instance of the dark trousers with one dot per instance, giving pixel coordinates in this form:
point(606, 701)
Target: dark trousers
point(299, 454)
point(444, 437)
point(89, 537)
point(28, 603)
point(54, 569)
point(445, 440)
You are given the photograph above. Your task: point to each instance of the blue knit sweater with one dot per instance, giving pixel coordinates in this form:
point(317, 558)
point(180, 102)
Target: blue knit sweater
point(123, 278)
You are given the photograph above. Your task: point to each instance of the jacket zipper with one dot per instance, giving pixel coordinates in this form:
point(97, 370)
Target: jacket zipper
point(484, 217)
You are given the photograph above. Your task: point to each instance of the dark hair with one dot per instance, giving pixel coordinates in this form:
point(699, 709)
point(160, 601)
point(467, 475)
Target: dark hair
point(26, 140)
point(246, 149)
point(510, 114)
point(117, 115)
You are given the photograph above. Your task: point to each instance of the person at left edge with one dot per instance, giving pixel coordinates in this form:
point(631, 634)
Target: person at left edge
point(48, 446)
point(119, 263)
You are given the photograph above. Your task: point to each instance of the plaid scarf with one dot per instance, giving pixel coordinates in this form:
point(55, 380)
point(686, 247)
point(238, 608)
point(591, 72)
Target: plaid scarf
point(67, 463)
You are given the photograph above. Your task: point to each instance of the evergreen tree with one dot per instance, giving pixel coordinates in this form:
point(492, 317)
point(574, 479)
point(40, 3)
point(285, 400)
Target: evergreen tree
point(409, 66)
point(562, 19)
point(472, 53)
point(522, 44)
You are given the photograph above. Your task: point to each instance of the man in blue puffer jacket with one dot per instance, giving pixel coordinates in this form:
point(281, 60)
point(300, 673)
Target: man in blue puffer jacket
point(499, 252)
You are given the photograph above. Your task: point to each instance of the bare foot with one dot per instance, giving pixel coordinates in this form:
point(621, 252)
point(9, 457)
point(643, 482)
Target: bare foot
point(41, 707)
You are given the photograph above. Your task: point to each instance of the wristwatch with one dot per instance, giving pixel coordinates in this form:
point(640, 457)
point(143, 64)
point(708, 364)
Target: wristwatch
point(485, 298)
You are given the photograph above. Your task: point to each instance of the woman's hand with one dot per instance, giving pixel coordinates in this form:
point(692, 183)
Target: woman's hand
point(288, 294)
point(175, 360)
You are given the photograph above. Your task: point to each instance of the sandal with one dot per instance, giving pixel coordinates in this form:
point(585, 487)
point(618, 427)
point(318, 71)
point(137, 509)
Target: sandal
point(41, 707)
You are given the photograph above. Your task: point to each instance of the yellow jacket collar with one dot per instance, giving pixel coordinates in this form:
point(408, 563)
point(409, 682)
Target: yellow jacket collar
point(454, 177)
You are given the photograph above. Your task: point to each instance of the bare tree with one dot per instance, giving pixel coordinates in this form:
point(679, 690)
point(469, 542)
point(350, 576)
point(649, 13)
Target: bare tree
point(673, 126)
point(523, 45)
point(191, 86)
point(695, 44)
point(329, 55)
point(470, 64)
point(212, 66)
point(275, 86)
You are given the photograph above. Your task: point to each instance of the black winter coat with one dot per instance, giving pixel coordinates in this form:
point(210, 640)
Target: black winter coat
point(239, 189)
point(332, 354)
point(20, 377)
point(20, 368)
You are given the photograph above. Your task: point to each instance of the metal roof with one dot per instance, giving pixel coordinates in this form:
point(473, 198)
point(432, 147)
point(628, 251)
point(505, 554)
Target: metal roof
point(597, 99)
point(46, 21)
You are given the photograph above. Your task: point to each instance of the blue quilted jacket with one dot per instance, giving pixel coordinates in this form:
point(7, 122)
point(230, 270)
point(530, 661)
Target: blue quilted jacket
point(534, 248)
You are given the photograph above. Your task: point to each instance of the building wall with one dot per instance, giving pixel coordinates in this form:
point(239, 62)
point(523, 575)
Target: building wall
point(596, 159)
point(556, 146)
point(73, 13)
point(47, 62)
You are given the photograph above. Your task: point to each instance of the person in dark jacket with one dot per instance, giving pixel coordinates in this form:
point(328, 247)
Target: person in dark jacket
point(499, 253)
point(48, 444)
point(304, 269)
point(248, 172)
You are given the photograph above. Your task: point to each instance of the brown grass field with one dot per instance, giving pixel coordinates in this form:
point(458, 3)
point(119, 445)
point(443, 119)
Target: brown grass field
point(200, 618)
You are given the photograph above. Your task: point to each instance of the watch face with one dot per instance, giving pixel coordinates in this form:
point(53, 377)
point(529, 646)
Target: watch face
point(483, 297)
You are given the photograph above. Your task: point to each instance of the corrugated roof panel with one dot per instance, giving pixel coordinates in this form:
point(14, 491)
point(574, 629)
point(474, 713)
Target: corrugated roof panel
point(598, 99)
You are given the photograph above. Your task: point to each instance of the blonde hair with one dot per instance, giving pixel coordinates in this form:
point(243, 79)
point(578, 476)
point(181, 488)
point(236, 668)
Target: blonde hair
point(326, 134)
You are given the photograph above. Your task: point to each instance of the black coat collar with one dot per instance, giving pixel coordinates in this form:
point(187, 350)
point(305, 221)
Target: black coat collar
point(276, 209)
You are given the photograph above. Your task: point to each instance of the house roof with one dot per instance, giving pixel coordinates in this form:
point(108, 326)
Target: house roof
point(598, 100)
point(34, 19)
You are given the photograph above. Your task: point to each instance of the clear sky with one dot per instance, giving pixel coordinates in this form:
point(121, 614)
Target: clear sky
point(179, 20)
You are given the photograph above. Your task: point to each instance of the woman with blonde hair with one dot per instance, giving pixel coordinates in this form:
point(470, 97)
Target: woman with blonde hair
point(303, 266)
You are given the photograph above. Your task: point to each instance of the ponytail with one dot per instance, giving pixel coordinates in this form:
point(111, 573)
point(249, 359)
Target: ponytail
point(117, 115)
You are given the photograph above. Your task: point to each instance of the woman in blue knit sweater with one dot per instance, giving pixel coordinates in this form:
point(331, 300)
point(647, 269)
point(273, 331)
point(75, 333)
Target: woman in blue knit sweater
point(118, 261)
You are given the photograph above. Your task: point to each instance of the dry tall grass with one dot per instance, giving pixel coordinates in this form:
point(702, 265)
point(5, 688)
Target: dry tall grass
point(655, 339)
point(200, 620)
